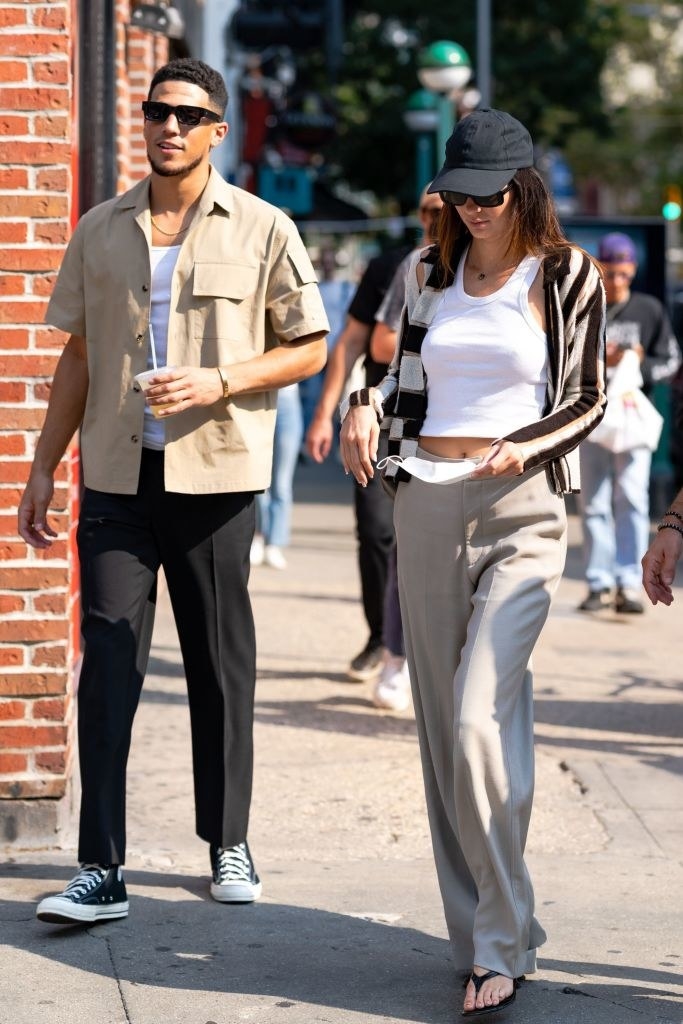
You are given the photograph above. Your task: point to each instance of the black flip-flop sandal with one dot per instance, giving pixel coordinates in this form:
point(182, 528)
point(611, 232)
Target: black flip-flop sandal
point(478, 980)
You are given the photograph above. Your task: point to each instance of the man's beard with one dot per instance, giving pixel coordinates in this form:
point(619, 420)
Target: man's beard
point(173, 172)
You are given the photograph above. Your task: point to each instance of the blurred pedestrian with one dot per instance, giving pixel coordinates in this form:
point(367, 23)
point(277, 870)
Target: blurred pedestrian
point(274, 506)
point(615, 485)
point(214, 289)
point(373, 508)
point(497, 378)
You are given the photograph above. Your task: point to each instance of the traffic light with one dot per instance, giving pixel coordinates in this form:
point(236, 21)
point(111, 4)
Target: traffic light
point(671, 209)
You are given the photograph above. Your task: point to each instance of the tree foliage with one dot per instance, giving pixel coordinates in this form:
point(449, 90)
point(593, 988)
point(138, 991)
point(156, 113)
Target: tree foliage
point(547, 60)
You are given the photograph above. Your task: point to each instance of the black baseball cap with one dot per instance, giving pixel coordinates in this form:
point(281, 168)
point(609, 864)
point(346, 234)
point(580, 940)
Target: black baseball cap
point(484, 152)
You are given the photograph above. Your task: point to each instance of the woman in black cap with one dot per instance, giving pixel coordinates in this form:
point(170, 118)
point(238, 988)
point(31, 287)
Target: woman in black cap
point(497, 377)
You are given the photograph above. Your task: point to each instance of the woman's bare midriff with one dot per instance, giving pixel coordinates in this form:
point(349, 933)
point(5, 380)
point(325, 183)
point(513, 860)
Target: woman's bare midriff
point(456, 447)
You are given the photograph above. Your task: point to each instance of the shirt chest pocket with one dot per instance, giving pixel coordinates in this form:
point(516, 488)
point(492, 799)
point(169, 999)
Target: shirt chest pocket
point(224, 299)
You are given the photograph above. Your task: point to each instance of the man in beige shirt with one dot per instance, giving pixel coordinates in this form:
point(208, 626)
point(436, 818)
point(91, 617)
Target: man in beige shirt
point(213, 289)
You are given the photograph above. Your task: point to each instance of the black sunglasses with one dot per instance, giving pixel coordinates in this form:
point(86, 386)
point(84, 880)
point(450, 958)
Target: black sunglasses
point(460, 198)
point(189, 116)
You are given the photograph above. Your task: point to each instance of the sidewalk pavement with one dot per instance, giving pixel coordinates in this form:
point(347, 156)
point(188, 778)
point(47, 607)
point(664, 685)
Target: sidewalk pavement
point(350, 927)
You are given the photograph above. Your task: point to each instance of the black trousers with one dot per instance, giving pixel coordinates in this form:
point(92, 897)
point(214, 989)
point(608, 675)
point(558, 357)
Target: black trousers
point(202, 542)
point(375, 531)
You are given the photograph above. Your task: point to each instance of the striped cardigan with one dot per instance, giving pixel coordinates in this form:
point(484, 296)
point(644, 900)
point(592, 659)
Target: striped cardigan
point(575, 393)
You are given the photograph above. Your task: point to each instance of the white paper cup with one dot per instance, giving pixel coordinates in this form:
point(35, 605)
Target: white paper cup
point(143, 380)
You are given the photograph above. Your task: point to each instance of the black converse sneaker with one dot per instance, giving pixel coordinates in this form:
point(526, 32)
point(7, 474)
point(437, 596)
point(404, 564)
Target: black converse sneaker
point(234, 876)
point(96, 893)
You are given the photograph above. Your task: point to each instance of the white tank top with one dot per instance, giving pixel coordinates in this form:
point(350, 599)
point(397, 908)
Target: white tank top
point(486, 360)
point(163, 259)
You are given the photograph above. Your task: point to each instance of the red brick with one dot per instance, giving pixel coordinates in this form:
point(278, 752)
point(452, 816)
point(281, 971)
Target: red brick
point(52, 179)
point(11, 602)
point(11, 553)
point(13, 338)
point(54, 127)
point(12, 764)
point(53, 604)
point(44, 284)
point(13, 736)
point(9, 498)
point(51, 761)
point(13, 178)
point(12, 710)
point(12, 444)
point(12, 16)
point(40, 152)
point(42, 577)
point(13, 656)
point(31, 630)
point(11, 392)
point(14, 71)
point(53, 709)
point(30, 259)
point(13, 125)
point(21, 419)
point(52, 18)
point(29, 365)
point(54, 656)
point(21, 313)
point(32, 684)
point(58, 549)
point(56, 232)
point(12, 284)
point(10, 232)
point(55, 72)
point(32, 789)
point(32, 45)
point(34, 99)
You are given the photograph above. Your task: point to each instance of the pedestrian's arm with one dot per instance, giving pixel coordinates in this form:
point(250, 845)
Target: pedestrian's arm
point(64, 415)
point(661, 558)
point(383, 343)
point(351, 344)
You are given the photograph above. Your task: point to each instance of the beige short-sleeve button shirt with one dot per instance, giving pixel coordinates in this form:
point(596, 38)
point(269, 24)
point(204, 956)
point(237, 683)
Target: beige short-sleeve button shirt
point(243, 283)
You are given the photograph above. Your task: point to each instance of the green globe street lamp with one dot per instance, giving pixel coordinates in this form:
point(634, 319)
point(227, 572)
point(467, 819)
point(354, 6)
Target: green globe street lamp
point(444, 68)
point(421, 116)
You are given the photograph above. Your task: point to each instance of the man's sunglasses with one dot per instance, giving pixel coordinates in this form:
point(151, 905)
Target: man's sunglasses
point(460, 198)
point(189, 116)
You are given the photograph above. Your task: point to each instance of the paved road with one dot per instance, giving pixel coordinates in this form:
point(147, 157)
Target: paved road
point(350, 928)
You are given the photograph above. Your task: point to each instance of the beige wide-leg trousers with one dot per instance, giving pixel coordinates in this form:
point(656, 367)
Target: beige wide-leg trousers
point(478, 562)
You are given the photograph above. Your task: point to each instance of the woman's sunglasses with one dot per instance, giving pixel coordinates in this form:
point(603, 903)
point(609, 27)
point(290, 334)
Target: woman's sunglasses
point(189, 116)
point(460, 198)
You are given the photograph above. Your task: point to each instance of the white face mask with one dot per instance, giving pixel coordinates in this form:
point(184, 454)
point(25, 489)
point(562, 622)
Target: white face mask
point(433, 472)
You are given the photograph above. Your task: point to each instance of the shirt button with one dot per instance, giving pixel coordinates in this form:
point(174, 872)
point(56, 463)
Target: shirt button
point(145, 287)
point(140, 338)
point(134, 438)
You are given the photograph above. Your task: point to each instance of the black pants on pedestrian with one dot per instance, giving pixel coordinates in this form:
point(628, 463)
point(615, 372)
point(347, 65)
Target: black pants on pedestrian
point(202, 542)
point(375, 531)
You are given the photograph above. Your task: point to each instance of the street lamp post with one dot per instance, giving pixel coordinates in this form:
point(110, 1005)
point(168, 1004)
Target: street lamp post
point(421, 116)
point(444, 68)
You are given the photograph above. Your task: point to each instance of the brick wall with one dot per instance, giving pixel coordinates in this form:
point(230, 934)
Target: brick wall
point(39, 635)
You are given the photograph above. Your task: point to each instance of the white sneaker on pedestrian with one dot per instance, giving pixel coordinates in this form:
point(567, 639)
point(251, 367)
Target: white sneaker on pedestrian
point(274, 558)
point(257, 550)
point(392, 689)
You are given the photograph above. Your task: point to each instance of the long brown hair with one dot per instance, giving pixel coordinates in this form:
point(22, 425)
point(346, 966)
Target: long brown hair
point(536, 230)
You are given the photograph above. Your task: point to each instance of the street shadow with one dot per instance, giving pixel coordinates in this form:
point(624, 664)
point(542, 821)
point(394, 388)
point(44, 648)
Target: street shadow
point(281, 951)
point(296, 955)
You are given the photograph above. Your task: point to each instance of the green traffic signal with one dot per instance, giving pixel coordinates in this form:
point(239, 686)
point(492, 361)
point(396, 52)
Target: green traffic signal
point(671, 211)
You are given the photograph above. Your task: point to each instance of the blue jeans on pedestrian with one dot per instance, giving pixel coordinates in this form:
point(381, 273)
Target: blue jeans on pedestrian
point(615, 508)
point(274, 506)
